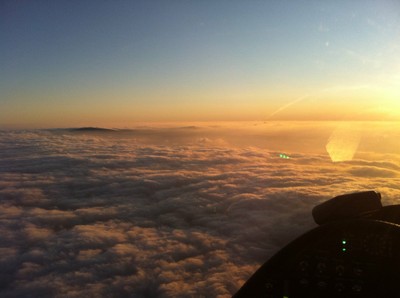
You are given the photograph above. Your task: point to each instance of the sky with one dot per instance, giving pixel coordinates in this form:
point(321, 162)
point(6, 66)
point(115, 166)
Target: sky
point(117, 63)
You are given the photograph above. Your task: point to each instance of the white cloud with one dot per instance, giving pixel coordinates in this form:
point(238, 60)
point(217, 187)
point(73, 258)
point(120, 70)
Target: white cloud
point(97, 215)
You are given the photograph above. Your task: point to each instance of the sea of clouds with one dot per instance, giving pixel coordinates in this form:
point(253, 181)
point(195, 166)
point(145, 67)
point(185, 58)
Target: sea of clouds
point(170, 212)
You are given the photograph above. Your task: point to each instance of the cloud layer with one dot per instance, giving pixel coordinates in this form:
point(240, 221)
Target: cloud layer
point(174, 213)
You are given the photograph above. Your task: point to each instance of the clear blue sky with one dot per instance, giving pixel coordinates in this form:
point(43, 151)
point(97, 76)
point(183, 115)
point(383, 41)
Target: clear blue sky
point(66, 63)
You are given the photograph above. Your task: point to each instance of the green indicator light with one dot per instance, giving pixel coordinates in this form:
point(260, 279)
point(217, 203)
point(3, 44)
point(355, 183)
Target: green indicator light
point(344, 249)
point(285, 296)
point(344, 242)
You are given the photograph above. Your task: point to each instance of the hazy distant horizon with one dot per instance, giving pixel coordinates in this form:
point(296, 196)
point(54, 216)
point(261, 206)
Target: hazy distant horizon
point(178, 124)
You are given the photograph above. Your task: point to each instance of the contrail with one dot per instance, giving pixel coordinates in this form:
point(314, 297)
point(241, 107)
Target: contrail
point(288, 105)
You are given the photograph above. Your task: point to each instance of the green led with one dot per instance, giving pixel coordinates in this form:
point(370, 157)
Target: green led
point(344, 242)
point(344, 249)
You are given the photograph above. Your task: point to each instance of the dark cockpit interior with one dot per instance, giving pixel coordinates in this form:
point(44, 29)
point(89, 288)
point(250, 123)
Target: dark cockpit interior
point(352, 253)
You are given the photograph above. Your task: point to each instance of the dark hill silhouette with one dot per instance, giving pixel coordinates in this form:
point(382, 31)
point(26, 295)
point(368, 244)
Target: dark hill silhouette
point(92, 129)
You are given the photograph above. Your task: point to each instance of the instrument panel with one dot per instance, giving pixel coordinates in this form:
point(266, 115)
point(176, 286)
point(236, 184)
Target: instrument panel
point(351, 258)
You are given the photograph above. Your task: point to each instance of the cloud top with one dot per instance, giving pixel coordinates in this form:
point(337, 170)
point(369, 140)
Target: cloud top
point(160, 213)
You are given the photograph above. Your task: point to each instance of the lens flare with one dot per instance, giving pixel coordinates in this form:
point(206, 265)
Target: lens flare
point(343, 144)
